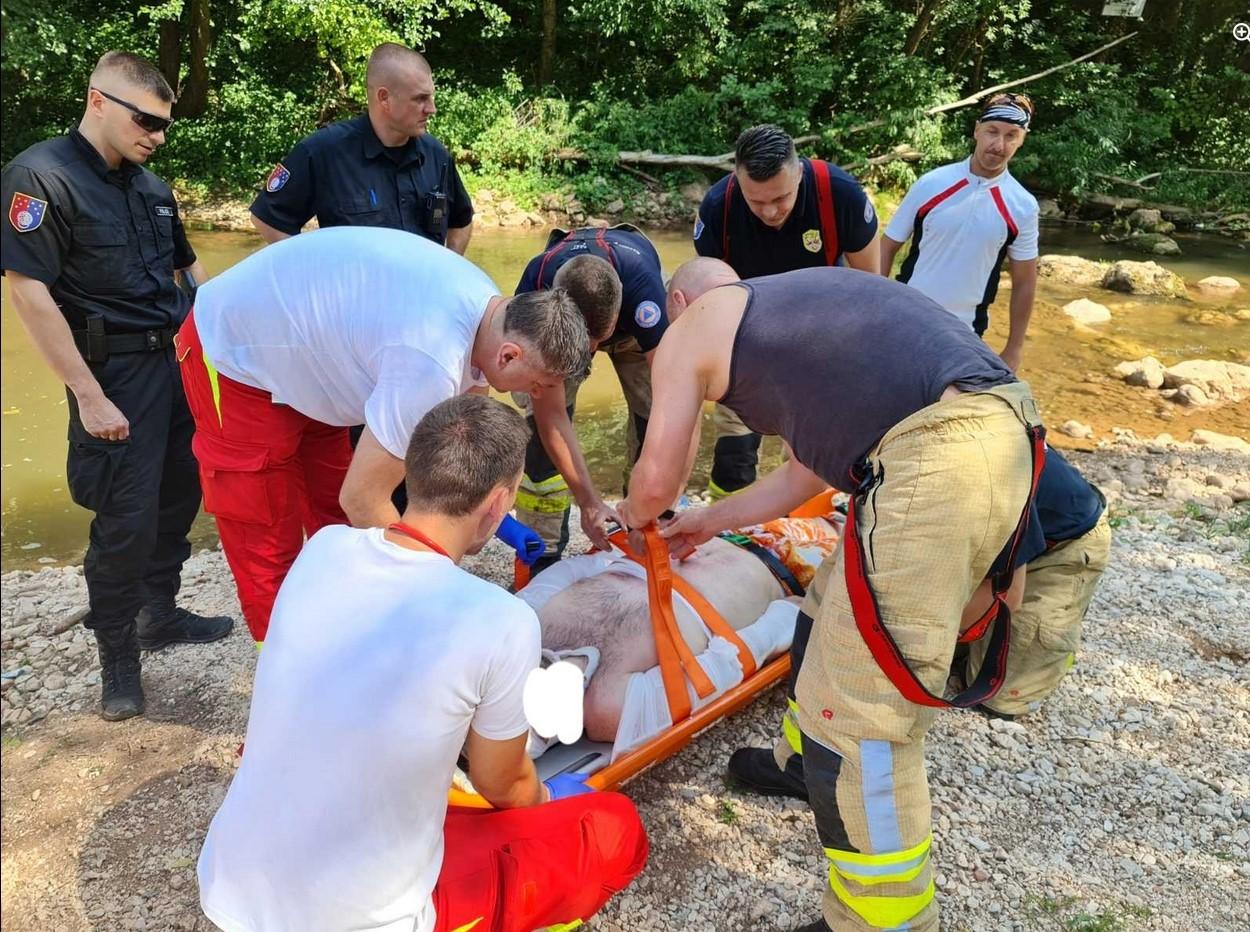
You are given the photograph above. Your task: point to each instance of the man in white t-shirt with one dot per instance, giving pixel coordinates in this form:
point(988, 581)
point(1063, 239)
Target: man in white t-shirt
point(337, 819)
point(964, 218)
point(349, 325)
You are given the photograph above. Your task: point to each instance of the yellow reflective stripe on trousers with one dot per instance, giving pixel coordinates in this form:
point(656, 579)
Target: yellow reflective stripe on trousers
point(555, 483)
point(882, 912)
point(790, 728)
point(471, 925)
point(215, 386)
point(542, 504)
point(717, 493)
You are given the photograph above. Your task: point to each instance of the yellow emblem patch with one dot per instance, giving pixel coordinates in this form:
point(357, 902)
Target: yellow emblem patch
point(812, 241)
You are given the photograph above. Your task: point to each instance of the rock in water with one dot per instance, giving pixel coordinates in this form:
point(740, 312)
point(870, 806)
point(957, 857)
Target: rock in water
point(1219, 283)
point(1048, 209)
point(1156, 244)
point(1147, 372)
point(1085, 311)
point(1143, 278)
point(1221, 381)
point(1072, 270)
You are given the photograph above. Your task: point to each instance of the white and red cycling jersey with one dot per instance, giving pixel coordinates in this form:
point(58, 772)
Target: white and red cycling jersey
point(961, 227)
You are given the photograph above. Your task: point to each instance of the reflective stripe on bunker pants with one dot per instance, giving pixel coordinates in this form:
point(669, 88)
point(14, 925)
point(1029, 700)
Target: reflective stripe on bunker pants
point(1046, 628)
point(543, 499)
point(930, 534)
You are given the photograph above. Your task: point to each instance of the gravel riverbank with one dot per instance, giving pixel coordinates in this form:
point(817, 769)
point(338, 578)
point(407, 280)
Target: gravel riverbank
point(1123, 804)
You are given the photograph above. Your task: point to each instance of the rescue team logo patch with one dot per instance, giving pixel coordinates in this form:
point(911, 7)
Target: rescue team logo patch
point(277, 178)
point(698, 227)
point(647, 314)
point(811, 241)
point(869, 213)
point(26, 212)
point(163, 211)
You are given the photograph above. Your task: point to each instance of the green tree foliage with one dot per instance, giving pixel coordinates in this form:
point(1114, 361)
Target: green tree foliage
point(675, 76)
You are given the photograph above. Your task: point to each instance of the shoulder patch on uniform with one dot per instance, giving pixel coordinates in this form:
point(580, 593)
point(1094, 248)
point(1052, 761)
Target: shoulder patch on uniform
point(277, 178)
point(698, 227)
point(869, 213)
point(26, 212)
point(163, 210)
point(647, 314)
point(812, 241)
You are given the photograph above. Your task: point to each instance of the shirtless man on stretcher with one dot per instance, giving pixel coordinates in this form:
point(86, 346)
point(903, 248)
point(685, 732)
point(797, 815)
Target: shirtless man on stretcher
point(594, 611)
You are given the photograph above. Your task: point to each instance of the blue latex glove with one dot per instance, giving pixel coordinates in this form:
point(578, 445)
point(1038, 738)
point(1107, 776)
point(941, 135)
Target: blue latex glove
point(564, 785)
point(525, 541)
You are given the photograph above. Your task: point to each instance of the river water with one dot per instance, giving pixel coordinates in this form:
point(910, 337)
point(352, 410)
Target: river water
point(1066, 365)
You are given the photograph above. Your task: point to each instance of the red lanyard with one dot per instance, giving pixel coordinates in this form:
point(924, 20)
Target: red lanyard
point(408, 531)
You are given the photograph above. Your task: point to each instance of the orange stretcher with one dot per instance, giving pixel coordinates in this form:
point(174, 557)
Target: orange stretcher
point(677, 663)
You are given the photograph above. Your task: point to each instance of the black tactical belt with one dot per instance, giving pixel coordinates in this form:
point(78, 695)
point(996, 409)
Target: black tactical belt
point(98, 347)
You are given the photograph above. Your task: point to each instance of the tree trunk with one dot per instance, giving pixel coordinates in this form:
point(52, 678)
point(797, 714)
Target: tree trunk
point(547, 53)
point(194, 97)
point(921, 26)
point(169, 54)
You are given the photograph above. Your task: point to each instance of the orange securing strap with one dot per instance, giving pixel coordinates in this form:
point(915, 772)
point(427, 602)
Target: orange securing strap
point(705, 610)
point(520, 575)
point(817, 506)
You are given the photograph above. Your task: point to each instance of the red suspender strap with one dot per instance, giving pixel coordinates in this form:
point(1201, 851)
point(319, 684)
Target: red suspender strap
point(828, 220)
point(542, 266)
point(881, 643)
point(520, 574)
point(724, 224)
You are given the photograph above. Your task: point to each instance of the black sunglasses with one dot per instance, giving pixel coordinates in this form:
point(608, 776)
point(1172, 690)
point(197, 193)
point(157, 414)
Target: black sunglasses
point(148, 122)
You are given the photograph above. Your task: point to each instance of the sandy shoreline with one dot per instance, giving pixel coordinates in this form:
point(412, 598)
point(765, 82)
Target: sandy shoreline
point(1127, 797)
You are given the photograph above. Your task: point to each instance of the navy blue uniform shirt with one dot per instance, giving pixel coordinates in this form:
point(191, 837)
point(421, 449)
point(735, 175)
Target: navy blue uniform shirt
point(757, 249)
point(1065, 507)
point(643, 315)
point(105, 241)
point(344, 176)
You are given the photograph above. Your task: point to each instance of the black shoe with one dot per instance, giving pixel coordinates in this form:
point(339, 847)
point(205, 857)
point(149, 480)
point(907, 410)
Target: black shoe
point(757, 769)
point(121, 689)
point(990, 713)
point(818, 926)
point(163, 623)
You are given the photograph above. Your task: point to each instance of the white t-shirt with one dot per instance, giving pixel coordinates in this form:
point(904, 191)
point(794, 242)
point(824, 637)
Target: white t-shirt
point(377, 661)
point(349, 325)
point(961, 225)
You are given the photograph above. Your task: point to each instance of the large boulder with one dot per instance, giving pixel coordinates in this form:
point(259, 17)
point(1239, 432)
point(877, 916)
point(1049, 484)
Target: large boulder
point(1143, 278)
point(1072, 270)
point(1219, 284)
point(1216, 379)
point(1147, 372)
point(1085, 311)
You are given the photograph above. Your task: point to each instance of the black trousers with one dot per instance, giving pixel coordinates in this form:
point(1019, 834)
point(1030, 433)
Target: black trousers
point(145, 491)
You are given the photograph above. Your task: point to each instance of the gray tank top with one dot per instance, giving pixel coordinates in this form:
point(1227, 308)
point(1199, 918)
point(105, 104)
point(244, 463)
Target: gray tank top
point(830, 359)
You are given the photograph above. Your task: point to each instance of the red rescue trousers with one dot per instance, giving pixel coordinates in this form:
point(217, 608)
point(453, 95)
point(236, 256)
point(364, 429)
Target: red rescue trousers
point(516, 870)
point(270, 475)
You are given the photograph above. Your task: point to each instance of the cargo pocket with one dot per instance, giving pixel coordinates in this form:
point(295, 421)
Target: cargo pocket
point(236, 484)
point(90, 469)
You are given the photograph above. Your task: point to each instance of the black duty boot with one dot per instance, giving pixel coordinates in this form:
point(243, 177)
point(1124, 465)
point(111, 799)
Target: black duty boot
point(161, 623)
point(818, 926)
point(121, 690)
point(757, 769)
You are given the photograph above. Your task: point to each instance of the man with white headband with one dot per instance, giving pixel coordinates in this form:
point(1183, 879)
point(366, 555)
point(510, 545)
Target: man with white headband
point(964, 218)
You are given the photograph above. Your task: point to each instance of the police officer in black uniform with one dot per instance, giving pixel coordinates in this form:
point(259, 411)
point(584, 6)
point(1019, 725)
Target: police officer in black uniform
point(615, 277)
point(382, 169)
point(776, 213)
point(91, 245)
